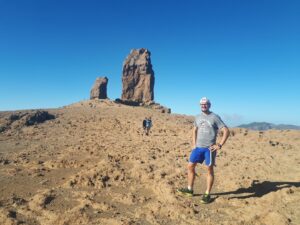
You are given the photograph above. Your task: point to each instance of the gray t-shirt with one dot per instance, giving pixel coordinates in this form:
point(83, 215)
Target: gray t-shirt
point(208, 126)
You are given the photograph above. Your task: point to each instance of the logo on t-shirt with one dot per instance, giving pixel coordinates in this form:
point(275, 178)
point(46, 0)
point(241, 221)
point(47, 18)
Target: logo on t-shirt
point(204, 126)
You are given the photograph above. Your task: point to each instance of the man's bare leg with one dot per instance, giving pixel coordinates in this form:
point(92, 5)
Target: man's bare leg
point(210, 179)
point(191, 174)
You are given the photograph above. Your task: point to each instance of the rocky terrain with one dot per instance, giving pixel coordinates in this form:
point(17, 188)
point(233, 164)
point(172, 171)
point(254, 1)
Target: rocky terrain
point(89, 163)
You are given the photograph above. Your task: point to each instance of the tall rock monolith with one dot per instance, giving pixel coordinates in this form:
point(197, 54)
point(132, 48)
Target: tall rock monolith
point(138, 77)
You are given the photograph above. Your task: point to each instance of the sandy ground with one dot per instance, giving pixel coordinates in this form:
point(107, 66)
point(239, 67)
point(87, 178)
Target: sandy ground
point(93, 165)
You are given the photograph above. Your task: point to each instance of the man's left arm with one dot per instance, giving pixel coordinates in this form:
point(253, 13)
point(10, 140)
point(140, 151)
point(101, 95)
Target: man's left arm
point(225, 136)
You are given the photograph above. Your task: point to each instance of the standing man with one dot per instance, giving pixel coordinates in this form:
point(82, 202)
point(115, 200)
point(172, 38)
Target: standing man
point(205, 131)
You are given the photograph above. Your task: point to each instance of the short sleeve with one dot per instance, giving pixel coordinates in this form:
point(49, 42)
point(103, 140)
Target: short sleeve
point(195, 122)
point(219, 122)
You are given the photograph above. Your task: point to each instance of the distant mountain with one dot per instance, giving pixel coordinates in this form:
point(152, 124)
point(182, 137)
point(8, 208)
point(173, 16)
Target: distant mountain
point(268, 126)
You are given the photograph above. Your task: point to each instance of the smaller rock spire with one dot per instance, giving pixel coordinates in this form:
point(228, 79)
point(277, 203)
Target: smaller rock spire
point(99, 90)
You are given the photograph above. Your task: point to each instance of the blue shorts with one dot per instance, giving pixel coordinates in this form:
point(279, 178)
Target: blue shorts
point(198, 155)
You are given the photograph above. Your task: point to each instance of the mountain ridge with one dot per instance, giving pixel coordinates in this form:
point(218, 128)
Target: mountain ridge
point(268, 126)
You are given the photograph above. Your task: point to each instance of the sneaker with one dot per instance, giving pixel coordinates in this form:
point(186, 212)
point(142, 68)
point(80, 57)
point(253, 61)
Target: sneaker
point(206, 199)
point(185, 191)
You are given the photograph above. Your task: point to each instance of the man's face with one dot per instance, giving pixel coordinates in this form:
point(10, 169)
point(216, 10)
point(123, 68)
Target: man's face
point(204, 107)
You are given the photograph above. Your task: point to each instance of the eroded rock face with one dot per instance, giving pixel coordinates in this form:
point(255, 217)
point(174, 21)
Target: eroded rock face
point(138, 77)
point(18, 120)
point(38, 117)
point(99, 90)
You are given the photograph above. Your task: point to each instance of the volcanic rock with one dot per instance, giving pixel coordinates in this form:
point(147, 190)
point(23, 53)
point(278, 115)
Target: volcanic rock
point(99, 90)
point(138, 77)
point(149, 105)
point(18, 120)
point(38, 117)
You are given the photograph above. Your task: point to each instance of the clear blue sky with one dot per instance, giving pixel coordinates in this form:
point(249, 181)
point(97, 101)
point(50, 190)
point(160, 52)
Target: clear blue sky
point(243, 55)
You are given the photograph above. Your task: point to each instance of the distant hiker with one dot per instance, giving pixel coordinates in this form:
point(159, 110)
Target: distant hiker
point(206, 127)
point(147, 124)
point(144, 124)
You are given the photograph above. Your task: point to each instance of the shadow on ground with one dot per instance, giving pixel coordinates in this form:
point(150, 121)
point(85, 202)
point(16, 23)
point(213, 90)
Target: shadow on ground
point(258, 189)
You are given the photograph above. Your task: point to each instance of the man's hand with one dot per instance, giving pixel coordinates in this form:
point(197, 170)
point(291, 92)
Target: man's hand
point(214, 147)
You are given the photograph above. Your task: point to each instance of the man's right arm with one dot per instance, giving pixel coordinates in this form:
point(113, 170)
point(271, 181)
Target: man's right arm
point(195, 129)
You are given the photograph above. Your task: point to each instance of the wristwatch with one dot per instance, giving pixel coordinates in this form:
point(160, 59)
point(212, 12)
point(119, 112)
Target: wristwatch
point(220, 146)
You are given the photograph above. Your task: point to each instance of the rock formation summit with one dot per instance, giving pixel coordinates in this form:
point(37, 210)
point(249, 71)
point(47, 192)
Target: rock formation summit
point(138, 77)
point(99, 90)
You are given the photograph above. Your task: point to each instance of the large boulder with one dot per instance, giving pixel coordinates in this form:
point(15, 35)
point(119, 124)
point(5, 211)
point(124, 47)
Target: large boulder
point(37, 117)
point(138, 77)
point(18, 120)
point(99, 90)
